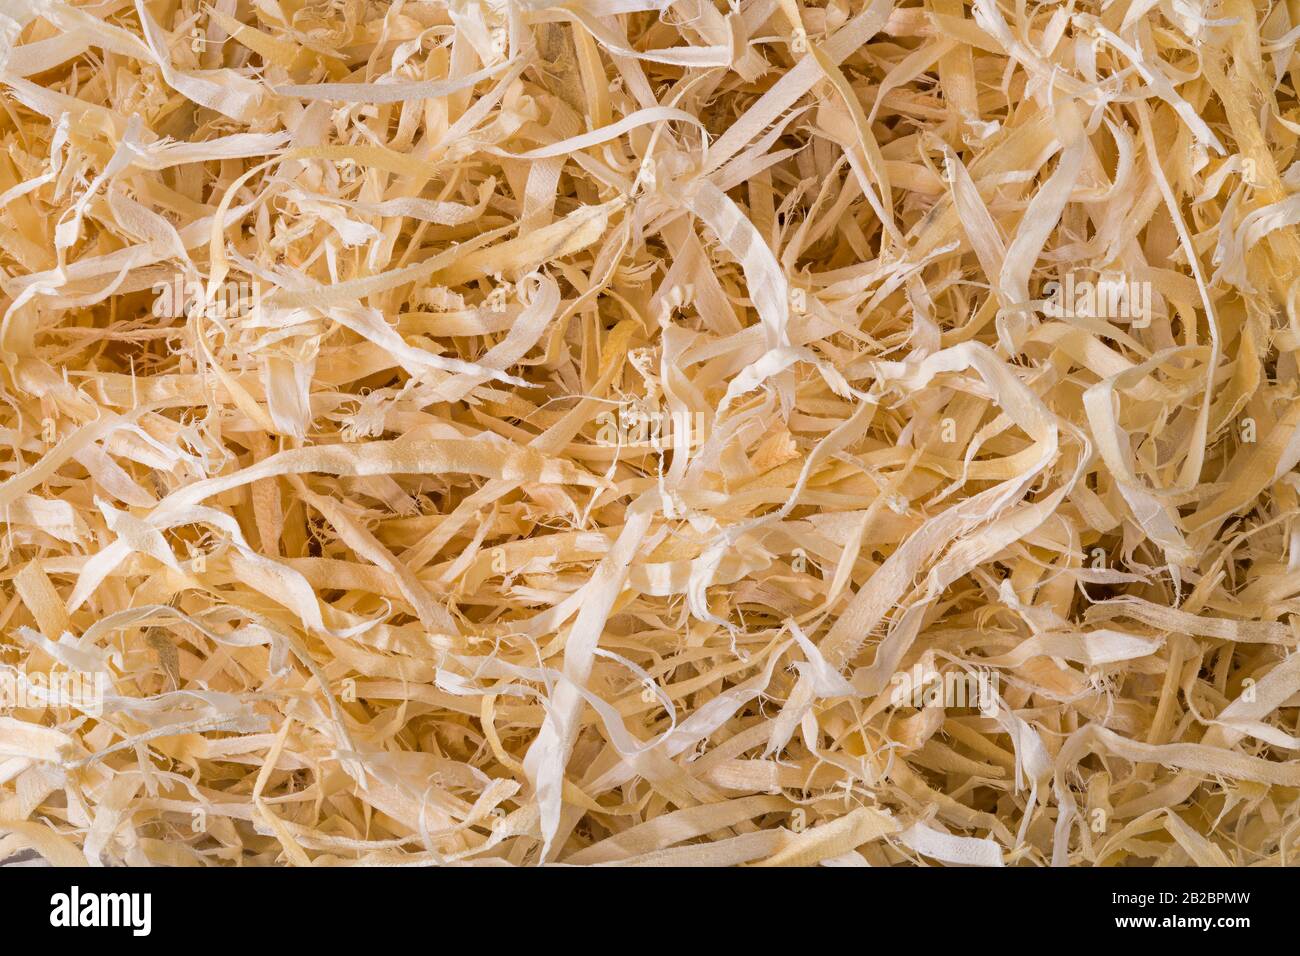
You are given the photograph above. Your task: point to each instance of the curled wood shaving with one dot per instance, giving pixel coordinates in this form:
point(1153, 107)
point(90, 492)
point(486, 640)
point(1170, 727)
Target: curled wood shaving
point(649, 432)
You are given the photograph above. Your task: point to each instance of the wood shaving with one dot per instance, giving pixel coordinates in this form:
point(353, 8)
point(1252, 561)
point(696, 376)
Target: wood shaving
point(649, 432)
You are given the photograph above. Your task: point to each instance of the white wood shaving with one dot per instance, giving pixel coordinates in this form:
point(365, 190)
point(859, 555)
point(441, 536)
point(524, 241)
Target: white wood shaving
point(656, 432)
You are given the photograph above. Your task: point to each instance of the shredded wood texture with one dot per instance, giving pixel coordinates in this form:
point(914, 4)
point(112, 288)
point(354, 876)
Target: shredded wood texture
point(631, 431)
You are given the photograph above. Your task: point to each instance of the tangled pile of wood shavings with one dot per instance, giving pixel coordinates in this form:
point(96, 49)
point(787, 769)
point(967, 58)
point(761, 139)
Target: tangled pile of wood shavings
point(649, 431)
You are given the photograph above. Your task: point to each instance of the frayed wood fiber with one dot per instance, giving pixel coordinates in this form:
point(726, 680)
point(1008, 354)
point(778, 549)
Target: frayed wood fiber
point(644, 432)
